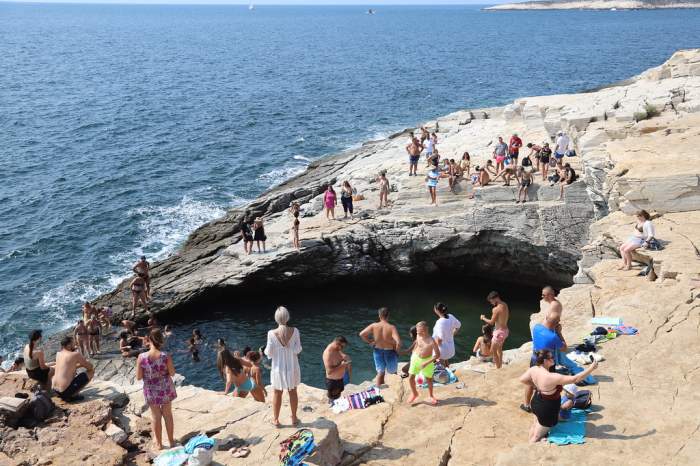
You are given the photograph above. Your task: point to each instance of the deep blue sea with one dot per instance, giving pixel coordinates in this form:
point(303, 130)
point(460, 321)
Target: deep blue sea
point(122, 128)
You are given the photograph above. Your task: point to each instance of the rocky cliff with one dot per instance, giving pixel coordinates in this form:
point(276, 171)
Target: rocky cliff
point(635, 144)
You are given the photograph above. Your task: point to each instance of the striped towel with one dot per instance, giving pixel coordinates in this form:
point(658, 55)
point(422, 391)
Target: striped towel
point(357, 400)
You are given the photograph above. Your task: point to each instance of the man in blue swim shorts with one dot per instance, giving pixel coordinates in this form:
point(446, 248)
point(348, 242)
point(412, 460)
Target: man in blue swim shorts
point(384, 337)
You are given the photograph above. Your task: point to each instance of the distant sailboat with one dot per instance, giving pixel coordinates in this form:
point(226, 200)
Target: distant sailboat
point(251, 7)
point(371, 12)
point(613, 9)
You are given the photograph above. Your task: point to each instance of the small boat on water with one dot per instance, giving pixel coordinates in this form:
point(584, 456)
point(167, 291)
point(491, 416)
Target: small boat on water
point(613, 9)
point(251, 7)
point(371, 11)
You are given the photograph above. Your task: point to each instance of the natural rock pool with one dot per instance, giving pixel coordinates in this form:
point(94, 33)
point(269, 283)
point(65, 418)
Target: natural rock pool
point(345, 310)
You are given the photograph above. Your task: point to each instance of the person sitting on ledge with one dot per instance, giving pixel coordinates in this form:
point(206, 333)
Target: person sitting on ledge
point(643, 233)
point(34, 361)
point(566, 177)
point(67, 382)
point(482, 346)
point(507, 172)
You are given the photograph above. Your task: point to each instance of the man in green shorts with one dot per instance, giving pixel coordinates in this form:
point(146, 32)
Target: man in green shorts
point(425, 353)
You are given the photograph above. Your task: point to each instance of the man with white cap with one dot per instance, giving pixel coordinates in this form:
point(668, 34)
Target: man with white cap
point(562, 145)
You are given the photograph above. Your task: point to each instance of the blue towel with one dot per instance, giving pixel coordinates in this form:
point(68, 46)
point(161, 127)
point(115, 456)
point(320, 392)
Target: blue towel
point(572, 431)
point(200, 441)
point(606, 321)
point(563, 360)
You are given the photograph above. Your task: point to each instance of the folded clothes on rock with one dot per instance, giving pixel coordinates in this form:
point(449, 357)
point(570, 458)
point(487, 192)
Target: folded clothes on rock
point(584, 358)
point(356, 400)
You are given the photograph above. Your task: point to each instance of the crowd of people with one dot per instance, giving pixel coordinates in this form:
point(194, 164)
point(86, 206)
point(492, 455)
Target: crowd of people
point(507, 166)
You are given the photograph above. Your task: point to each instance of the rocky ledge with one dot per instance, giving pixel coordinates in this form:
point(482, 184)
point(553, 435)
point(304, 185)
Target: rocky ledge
point(636, 145)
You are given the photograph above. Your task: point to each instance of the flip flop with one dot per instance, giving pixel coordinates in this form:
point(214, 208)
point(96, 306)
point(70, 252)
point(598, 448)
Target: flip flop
point(526, 408)
point(240, 452)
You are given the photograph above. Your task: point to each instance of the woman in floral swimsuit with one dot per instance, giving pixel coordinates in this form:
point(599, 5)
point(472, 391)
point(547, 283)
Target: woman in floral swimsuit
point(156, 370)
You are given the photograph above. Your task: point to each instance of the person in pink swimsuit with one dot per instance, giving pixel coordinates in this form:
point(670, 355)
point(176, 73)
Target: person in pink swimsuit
point(156, 370)
point(499, 319)
point(330, 200)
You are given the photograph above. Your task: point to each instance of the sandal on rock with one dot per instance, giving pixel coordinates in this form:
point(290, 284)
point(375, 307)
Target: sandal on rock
point(240, 452)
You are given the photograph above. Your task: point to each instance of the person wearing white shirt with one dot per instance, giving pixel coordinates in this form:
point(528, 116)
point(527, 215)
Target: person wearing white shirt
point(644, 232)
point(562, 145)
point(444, 331)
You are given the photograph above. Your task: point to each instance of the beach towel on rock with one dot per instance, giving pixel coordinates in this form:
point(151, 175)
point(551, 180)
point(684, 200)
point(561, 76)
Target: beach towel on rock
point(606, 321)
point(297, 448)
point(625, 330)
point(571, 431)
point(354, 401)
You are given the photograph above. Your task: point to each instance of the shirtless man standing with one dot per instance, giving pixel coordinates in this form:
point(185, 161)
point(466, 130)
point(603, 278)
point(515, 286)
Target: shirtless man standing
point(94, 330)
point(386, 343)
point(337, 364)
point(143, 269)
point(555, 310)
point(414, 149)
point(67, 383)
point(425, 353)
point(499, 319)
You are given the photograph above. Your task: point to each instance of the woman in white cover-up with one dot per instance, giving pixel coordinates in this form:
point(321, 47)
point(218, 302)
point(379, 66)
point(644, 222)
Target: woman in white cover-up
point(283, 348)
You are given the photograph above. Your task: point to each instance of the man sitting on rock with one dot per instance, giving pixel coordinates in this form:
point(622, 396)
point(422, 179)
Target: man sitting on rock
point(67, 381)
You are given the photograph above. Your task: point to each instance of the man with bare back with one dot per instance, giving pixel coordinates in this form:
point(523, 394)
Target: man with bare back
point(414, 148)
point(67, 382)
point(386, 342)
point(499, 319)
point(425, 353)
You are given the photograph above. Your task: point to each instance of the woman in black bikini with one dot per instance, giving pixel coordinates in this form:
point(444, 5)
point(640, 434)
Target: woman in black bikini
point(93, 329)
point(545, 154)
point(247, 235)
point(548, 385)
point(81, 337)
point(138, 293)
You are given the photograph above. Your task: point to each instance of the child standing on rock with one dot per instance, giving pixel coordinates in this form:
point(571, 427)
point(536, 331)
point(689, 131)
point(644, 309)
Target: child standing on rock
point(425, 352)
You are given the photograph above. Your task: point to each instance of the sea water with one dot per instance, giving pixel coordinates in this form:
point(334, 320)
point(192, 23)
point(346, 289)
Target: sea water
point(124, 127)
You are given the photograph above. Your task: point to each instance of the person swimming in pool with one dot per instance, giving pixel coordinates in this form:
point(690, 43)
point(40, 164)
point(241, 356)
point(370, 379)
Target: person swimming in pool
point(425, 353)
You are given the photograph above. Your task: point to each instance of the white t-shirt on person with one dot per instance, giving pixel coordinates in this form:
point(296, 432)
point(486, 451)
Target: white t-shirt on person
point(563, 143)
point(444, 329)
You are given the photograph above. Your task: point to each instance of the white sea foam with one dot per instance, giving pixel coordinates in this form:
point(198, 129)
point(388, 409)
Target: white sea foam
point(63, 302)
point(280, 175)
point(300, 139)
point(164, 228)
point(303, 158)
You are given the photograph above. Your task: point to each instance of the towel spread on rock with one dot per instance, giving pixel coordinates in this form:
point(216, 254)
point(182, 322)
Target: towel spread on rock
point(354, 401)
point(606, 321)
point(571, 431)
point(187, 455)
point(625, 330)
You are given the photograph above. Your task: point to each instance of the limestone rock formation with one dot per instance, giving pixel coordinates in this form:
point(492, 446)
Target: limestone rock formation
point(635, 143)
